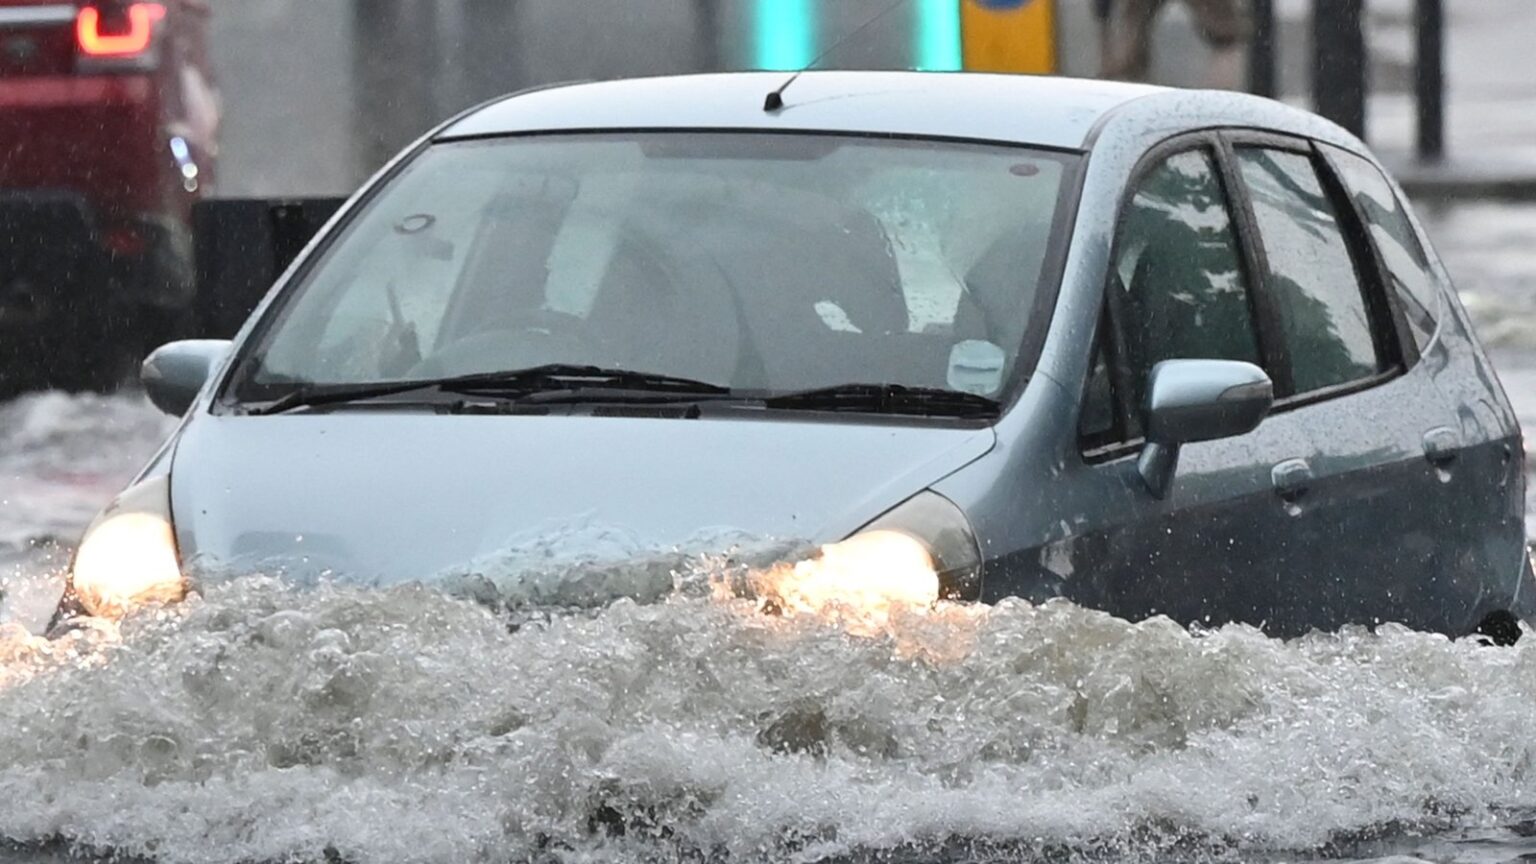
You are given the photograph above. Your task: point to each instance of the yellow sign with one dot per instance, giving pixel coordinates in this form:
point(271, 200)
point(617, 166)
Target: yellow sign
point(1009, 35)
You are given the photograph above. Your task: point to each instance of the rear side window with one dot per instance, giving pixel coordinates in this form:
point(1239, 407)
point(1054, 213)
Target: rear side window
point(1178, 273)
point(1313, 278)
point(1406, 264)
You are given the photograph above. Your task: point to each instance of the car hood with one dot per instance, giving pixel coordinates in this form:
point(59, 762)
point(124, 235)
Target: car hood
point(388, 497)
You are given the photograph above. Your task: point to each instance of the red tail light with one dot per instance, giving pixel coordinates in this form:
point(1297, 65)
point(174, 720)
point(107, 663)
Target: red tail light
point(125, 31)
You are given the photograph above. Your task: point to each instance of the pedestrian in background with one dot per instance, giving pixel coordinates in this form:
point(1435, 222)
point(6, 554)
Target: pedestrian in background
point(1126, 27)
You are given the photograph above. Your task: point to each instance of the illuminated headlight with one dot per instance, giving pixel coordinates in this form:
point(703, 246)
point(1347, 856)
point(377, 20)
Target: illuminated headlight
point(934, 521)
point(868, 574)
point(128, 556)
point(916, 554)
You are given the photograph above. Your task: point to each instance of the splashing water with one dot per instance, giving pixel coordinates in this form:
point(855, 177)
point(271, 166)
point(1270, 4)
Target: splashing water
point(262, 721)
point(862, 582)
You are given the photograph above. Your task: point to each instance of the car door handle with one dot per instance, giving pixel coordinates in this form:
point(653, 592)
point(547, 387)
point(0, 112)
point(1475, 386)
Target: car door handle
point(1441, 445)
point(1292, 479)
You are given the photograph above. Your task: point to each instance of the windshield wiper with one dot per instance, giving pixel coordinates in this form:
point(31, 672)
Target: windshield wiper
point(563, 377)
point(319, 395)
point(887, 399)
point(562, 381)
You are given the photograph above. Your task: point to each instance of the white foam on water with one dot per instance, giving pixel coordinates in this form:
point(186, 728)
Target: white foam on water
point(269, 722)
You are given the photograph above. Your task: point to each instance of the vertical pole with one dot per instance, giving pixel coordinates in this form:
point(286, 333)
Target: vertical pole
point(1338, 62)
point(486, 46)
point(394, 67)
point(371, 24)
point(706, 36)
point(1261, 50)
point(1429, 79)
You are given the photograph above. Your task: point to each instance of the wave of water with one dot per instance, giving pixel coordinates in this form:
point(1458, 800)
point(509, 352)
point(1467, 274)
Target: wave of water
point(269, 722)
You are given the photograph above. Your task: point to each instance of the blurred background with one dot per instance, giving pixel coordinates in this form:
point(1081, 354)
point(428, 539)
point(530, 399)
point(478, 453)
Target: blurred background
point(317, 93)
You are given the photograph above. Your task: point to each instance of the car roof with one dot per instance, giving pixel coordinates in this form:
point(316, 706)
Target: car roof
point(1045, 111)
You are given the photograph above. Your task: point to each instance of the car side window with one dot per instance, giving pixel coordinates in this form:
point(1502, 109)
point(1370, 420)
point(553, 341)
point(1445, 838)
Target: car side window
point(1314, 280)
point(1392, 232)
point(1177, 277)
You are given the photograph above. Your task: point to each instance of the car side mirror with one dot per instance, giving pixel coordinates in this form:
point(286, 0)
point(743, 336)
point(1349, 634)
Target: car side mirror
point(1197, 400)
point(175, 373)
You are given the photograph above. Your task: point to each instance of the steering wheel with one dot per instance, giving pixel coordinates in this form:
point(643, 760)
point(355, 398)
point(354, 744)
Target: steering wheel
point(541, 337)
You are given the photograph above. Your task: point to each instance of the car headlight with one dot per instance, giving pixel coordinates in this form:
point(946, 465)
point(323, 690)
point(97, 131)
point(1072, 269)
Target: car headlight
point(946, 535)
point(128, 555)
point(866, 577)
point(916, 554)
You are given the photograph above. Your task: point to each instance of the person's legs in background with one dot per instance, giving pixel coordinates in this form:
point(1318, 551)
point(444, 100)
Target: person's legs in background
point(1126, 29)
point(1127, 39)
point(1225, 27)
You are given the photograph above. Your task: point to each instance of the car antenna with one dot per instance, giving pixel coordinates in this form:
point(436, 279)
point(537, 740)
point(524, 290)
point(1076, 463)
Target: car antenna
point(775, 99)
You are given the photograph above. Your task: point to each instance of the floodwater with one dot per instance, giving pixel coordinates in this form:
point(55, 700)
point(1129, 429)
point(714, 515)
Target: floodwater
point(266, 722)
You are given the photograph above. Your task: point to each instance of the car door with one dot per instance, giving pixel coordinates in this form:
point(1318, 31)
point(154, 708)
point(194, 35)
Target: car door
point(1181, 286)
point(1480, 495)
point(1368, 502)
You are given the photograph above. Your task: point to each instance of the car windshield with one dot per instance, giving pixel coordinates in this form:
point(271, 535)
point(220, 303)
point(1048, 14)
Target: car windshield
point(767, 263)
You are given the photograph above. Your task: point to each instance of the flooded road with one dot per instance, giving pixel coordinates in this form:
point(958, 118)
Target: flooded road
point(405, 726)
point(262, 722)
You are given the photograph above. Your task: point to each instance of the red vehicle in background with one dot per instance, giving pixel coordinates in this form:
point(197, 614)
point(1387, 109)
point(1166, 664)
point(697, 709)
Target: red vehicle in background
point(108, 135)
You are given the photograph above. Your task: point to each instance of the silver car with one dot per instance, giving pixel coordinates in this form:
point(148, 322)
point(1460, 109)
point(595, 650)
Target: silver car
point(1159, 352)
